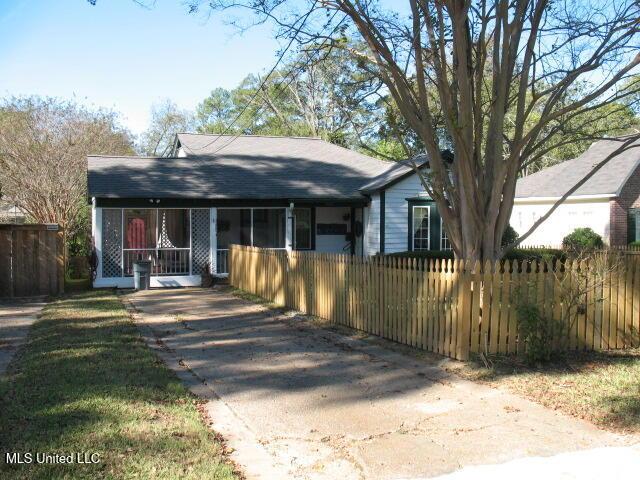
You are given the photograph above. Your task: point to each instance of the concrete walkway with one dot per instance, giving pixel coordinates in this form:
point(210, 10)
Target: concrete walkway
point(15, 319)
point(298, 401)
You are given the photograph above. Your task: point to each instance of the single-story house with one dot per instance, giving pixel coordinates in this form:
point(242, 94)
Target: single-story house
point(296, 193)
point(609, 202)
point(289, 193)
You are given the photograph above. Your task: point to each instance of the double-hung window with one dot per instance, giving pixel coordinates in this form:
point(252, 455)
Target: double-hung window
point(421, 228)
point(445, 244)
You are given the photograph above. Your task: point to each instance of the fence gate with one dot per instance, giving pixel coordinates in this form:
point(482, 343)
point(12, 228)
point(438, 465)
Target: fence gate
point(31, 260)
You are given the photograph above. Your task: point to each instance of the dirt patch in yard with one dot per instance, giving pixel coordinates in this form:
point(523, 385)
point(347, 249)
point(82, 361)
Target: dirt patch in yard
point(601, 387)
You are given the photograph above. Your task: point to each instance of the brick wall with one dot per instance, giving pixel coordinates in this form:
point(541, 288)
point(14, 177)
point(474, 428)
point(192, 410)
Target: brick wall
point(629, 198)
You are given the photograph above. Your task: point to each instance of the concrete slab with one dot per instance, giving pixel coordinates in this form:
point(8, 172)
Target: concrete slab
point(325, 406)
point(16, 317)
point(593, 464)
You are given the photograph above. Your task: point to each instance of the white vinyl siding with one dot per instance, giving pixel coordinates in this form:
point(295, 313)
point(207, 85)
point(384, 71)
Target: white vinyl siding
point(372, 226)
point(572, 214)
point(396, 212)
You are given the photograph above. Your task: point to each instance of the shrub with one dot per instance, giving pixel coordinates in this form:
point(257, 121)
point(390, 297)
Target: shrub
point(550, 255)
point(509, 236)
point(527, 256)
point(582, 239)
point(425, 254)
point(635, 244)
point(537, 332)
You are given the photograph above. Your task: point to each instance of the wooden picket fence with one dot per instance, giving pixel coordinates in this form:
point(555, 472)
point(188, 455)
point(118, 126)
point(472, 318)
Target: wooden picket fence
point(449, 307)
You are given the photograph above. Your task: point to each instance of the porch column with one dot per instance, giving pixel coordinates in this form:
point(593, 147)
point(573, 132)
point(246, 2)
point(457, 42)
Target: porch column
point(289, 228)
point(213, 240)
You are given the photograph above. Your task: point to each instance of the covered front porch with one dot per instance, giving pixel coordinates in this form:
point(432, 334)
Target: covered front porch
point(185, 239)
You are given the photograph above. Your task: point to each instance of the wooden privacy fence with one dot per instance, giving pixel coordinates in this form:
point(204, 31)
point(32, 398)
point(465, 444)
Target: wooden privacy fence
point(31, 260)
point(446, 306)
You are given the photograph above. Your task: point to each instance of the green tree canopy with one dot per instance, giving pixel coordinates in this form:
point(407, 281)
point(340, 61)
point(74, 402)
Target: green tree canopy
point(44, 143)
point(317, 93)
point(167, 119)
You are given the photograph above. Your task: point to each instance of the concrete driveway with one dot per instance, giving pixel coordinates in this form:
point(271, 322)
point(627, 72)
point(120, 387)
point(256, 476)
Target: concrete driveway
point(299, 401)
point(16, 316)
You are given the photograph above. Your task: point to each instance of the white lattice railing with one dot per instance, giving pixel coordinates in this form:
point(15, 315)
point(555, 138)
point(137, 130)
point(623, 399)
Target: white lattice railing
point(165, 261)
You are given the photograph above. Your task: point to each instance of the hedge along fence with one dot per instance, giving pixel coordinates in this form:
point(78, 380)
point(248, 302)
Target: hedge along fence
point(448, 307)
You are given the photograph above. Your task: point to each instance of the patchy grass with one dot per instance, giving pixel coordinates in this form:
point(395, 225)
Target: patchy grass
point(72, 285)
point(601, 387)
point(86, 382)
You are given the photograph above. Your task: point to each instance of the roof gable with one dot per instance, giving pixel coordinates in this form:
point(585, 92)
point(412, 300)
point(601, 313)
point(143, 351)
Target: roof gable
point(400, 170)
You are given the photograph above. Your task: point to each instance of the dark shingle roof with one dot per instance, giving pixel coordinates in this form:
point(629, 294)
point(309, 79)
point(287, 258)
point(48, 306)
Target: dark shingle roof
point(555, 181)
point(395, 172)
point(250, 167)
point(400, 169)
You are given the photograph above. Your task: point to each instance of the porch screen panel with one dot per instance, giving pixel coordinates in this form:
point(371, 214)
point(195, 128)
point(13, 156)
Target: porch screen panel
point(140, 228)
point(234, 227)
point(173, 228)
point(269, 227)
point(200, 239)
point(111, 242)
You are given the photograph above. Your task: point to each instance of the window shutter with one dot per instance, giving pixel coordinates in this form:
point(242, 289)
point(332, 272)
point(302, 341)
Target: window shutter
point(436, 233)
point(632, 218)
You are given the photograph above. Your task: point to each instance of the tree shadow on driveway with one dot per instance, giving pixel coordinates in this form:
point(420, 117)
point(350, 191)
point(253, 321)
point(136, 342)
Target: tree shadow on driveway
point(345, 405)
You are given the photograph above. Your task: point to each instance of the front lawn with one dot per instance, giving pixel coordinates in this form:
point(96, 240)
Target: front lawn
point(85, 382)
point(601, 387)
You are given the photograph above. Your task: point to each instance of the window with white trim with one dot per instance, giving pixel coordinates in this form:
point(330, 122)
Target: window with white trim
point(421, 228)
point(445, 244)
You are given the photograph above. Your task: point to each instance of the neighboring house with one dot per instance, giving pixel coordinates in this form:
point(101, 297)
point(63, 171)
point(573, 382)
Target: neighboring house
point(10, 213)
point(609, 202)
point(287, 193)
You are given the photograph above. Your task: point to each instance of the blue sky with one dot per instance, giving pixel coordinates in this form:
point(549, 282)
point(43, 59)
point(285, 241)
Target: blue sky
point(121, 56)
